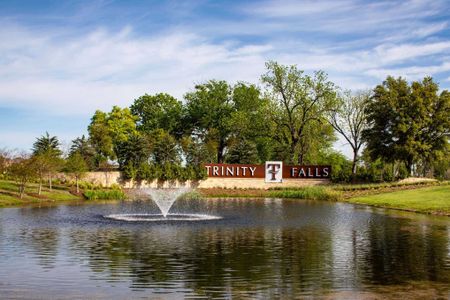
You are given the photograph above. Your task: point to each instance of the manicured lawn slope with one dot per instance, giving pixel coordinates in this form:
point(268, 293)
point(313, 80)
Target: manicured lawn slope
point(434, 199)
point(9, 195)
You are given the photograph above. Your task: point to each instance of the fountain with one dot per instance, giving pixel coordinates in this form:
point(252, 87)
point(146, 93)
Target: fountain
point(164, 198)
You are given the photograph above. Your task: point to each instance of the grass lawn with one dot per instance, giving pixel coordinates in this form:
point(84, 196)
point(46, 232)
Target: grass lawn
point(435, 200)
point(9, 195)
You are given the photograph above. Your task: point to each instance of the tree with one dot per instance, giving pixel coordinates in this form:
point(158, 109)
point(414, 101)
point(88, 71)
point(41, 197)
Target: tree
point(250, 138)
point(219, 114)
point(133, 152)
point(350, 120)
point(121, 123)
point(4, 160)
point(47, 144)
point(108, 130)
point(197, 152)
point(165, 148)
point(408, 123)
point(76, 165)
point(100, 137)
point(43, 163)
point(159, 111)
point(208, 112)
point(47, 157)
point(298, 102)
point(23, 171)
point(242, 152)
point(82, 146)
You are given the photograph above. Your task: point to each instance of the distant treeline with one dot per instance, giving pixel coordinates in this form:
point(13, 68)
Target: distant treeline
point(396, 130)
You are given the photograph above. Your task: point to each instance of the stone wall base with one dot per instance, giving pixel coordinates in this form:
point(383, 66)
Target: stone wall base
point(107, 179)
point(257, 183)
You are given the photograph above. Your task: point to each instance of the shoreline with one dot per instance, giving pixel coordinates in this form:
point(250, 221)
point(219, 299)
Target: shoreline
point(351, 194)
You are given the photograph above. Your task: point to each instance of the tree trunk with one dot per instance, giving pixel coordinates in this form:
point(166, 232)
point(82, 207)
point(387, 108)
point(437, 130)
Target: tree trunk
point(40, 186)
point(50, 182)
point(355, 160)
point(78, 189)
point(409, 164)
point(295, 158)
point(220, 151)
point(22, 190)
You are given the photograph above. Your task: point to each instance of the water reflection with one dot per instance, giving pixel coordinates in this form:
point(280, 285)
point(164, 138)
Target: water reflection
point(261, 249)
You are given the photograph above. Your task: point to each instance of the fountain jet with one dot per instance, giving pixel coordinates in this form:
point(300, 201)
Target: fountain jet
point(165, 197)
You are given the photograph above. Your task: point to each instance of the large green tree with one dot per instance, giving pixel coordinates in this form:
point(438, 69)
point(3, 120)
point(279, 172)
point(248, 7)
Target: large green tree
point(165, 149)
point(298, 104)
point(222, 115)
point(208, 112)
point(133, 152)
point(100, 137)
point(158, 111)
point(408, 123)
point(108, 130)
point(249, 142)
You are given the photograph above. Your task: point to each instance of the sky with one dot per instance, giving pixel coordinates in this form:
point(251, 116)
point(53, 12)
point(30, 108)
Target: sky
point(62, 60)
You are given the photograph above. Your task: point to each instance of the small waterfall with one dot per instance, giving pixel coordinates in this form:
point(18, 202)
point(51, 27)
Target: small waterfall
point(165, 197)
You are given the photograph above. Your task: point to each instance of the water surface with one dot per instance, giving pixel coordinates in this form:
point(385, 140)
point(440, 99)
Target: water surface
point(261, 248)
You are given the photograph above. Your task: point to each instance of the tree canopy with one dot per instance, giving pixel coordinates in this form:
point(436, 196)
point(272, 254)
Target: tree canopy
point(293, 117)
point(408, 122)
point(298, 106)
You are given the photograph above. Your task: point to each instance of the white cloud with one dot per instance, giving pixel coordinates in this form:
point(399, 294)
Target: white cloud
point(281, 9)
point(396, 53)
point(411, 73)
point(75, 75)
point(78, 75)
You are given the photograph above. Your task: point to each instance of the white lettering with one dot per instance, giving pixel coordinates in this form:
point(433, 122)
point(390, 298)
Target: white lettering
point(325, 172)
point(252, 170)
point(208, 169)
point(244, 169)
point(309, 173)
point(293, 171)
point(215, 171)
point(230, 170)
point(317, 172)
point(302, 173)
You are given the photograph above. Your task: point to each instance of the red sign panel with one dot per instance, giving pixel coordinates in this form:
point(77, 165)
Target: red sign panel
point(258, 171)
point(235, 170)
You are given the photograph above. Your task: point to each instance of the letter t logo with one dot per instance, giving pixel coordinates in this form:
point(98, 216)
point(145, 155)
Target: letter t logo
point(274, 171)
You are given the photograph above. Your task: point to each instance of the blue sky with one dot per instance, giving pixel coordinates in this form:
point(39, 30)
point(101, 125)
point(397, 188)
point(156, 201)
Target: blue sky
point(62, 60)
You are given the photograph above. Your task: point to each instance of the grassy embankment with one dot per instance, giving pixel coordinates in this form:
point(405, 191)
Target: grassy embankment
point(425, 197)
point(9, 195)
point(431, 200)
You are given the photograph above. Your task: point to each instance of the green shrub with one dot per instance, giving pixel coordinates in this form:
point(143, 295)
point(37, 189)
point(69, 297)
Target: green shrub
point(311, 193)
point(115, 186)
point(168, 172)
point(113, 194)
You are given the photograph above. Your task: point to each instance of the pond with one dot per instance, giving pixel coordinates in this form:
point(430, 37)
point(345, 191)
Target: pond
point(260, 248)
